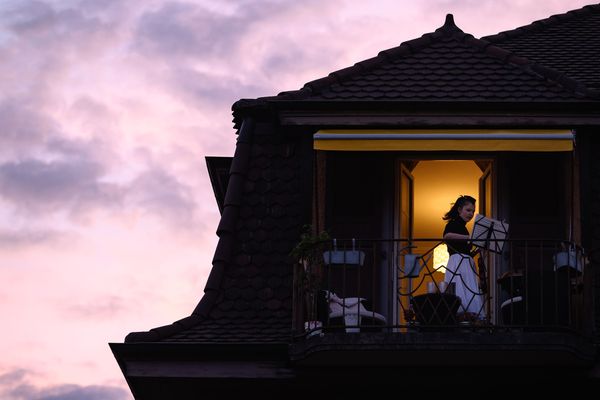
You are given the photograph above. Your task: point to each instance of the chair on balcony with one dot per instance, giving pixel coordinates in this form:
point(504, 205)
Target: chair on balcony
point(568, 267)
point(513, 311)
point(351, 313)
point(513, 308)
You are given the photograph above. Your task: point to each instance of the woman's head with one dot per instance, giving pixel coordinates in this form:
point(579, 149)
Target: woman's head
point(463, 207)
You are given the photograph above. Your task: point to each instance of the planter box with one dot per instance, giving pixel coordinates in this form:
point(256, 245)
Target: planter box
point(344, 257)
point(568, 259)
point(413, 263)
point(348, 257)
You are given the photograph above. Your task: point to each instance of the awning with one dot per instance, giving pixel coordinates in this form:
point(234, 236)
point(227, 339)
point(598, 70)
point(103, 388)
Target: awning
point(546, 140)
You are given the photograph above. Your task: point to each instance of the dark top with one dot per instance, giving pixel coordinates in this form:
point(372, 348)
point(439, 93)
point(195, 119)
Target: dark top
point(459, 226)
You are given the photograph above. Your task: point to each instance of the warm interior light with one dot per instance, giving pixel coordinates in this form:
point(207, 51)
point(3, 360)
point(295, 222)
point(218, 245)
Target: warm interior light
point(437, 184)
point(440, 258)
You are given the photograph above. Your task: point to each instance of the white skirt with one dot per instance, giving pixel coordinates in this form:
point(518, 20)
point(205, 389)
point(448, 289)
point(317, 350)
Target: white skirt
point(461, 270)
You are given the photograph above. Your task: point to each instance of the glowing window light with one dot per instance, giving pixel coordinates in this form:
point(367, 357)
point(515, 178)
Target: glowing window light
point(440, 258)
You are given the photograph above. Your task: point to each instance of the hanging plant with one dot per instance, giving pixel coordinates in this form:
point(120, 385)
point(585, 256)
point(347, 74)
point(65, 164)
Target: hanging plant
point(308, 252)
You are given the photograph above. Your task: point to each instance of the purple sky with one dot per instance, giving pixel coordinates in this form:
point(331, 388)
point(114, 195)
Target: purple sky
point(108, 108)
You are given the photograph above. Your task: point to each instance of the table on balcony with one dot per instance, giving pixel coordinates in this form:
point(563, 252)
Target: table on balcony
point(436, 308)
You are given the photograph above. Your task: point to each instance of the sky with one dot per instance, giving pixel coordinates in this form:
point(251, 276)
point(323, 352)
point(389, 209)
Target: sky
point(107, 110)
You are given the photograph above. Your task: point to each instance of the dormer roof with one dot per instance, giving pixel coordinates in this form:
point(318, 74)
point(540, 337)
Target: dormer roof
point(568, 43)
point(446, 65)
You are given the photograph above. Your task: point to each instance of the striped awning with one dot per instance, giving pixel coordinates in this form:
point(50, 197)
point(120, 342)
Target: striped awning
point(542, 140)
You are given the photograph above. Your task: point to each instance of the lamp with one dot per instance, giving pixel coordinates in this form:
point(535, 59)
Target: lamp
point(440, 258)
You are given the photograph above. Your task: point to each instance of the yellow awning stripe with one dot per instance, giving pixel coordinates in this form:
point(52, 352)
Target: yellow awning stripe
point(546, 140)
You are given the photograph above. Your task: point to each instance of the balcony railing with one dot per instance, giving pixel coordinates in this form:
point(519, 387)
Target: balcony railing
point(403, 286)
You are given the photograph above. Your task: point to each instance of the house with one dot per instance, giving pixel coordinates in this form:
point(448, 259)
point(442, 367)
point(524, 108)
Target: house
point(361, 154)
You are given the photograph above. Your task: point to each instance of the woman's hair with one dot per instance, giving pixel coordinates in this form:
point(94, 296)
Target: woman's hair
point(461, 201)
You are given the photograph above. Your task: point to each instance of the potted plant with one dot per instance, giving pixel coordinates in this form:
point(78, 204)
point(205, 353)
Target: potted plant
point(308, 254)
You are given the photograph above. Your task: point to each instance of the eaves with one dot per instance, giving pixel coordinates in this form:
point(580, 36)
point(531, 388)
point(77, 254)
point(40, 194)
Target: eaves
point(440, 114)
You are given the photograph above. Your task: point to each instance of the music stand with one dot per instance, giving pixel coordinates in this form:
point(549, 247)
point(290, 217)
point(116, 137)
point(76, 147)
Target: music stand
point(489, 234)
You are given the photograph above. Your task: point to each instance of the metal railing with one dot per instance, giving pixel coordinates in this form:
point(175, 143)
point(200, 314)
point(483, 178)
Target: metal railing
point(363, 285)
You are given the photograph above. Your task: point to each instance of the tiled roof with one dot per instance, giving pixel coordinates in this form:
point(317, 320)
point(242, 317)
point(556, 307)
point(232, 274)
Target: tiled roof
point(266, 330)
point(569, 43)
point(248, 296)
point(447, 65)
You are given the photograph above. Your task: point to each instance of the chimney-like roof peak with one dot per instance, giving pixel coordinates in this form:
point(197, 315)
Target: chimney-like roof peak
point(449, 26)
point(449, 20)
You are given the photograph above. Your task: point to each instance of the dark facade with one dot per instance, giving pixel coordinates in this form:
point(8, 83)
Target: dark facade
point(247, 331)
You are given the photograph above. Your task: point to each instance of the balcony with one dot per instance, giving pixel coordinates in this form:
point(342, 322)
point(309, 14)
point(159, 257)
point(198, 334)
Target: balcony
point(530, 301)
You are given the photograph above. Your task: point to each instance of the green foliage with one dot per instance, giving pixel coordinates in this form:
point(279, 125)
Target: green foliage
point(309, 252)
point(310, 248)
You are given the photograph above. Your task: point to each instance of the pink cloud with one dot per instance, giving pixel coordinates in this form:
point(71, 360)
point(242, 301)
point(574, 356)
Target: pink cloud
point(107, 307)
point(17, 385)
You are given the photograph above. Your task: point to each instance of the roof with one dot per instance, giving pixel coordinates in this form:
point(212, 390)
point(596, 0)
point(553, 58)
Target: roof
point(446, 65)
point(568, 43)
point(248, 295)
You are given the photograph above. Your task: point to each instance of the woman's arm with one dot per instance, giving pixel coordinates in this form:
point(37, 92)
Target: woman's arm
point(456, 236)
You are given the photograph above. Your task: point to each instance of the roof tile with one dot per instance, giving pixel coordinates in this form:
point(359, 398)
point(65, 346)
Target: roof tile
point(569, 43)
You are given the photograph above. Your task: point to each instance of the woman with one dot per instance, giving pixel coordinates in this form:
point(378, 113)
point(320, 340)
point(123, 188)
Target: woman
point(461, 267)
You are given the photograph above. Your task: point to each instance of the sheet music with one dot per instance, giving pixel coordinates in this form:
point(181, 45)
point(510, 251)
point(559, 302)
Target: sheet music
point(497, 230)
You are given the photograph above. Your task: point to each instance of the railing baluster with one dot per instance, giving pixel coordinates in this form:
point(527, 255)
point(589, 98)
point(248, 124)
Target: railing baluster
point(541, 282)
point(511, 284)
point(390, 286)
point(375, 293)
point(569, 292)
point(556, 297)
point(526, 279)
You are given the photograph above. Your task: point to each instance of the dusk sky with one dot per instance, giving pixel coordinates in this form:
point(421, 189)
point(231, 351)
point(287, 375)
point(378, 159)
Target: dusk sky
point(107, 110)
